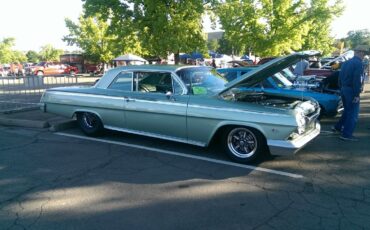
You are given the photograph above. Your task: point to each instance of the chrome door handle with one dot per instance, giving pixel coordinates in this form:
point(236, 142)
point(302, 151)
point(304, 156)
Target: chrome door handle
point(128, 99)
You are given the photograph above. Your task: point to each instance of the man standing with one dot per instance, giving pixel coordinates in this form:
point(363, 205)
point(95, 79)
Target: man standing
point(300, 67)
point(350, 79)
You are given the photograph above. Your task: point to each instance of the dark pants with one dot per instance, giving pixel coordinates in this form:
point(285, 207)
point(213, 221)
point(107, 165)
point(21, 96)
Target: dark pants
point(348, 120)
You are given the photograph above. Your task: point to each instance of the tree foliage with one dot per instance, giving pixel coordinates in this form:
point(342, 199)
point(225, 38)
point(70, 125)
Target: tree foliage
point(8, 54)
point(91, 35)
point(276, 27)
point(164, 27)
point(170, 26)
point(320, 16)
point(157, 28)
point(49, 53)
point(357, 37)
point(32, 56)
point(104, 31)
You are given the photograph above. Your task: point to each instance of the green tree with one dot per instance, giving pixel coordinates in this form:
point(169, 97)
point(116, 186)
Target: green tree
point(276, 27)
point(163, 27)
point(118, 15)
point(49, 53)
point(32, 56)
point(18, 56)
point(6, 52)
point(320, 16)
point(213, 45)
point(267, 27)
point(95, 37)
point(170, 26)
point(227, 47)
point(91, 35)
point(357, 37)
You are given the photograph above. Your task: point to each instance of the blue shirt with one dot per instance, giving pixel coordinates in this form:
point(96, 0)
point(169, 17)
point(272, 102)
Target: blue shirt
point(300, 67)
point(350, 75)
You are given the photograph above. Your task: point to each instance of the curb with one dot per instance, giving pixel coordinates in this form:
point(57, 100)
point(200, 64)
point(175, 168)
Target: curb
point(24, 123)
point(54, 126)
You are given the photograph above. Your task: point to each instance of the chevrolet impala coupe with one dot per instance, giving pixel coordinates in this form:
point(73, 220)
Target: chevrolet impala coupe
point(194, 105)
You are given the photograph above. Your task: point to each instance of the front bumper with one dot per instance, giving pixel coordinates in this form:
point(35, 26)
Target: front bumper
point(289, 147)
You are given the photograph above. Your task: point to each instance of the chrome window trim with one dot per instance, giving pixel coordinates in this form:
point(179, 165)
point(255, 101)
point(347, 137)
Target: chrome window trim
point(124, 71)
point(173, 76)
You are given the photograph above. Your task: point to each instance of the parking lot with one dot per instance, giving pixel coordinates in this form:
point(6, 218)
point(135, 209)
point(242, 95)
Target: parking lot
point(64, 180)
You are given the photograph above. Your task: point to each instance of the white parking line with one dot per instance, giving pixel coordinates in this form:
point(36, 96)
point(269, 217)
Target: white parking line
point(281, 173)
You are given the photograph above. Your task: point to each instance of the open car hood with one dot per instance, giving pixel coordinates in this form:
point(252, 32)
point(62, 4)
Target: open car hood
point(268, 69)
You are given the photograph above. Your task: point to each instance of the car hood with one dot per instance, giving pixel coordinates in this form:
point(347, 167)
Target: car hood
point(266, 70)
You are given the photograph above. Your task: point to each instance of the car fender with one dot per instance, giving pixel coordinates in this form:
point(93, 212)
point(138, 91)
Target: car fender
point(224, 124)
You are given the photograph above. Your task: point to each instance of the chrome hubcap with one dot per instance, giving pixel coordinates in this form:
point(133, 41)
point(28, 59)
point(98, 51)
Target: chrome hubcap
point(89, 120)
point(242, 142)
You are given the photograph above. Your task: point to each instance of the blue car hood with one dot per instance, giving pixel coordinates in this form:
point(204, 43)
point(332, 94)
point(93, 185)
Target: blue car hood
point(266, 70)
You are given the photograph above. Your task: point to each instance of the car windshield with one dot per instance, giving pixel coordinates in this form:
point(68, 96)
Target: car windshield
point(41, 63)
point(202, 80)
point(288, 74)
point(281, 81)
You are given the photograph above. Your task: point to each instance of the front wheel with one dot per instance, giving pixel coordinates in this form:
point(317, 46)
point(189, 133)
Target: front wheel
point(243, 144)
point(90, 123)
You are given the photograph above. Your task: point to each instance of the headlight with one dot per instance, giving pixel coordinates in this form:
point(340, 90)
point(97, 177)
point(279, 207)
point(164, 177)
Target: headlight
point(301, 122)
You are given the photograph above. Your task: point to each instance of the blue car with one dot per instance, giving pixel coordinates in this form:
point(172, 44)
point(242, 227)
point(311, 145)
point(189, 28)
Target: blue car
point(278, 84)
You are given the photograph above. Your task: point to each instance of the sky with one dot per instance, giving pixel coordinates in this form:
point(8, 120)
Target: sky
point(35, 23)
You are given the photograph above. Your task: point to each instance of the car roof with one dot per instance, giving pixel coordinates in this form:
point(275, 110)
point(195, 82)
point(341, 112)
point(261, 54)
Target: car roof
point(152, 67)
point(112, 73)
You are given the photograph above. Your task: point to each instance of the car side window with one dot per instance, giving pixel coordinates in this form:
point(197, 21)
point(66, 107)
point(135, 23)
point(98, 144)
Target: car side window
point(123, 82)
point(153, 82)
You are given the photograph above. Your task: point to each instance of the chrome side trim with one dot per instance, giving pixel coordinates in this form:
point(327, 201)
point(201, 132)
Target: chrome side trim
point(236, 110)
point(119, 98)
point(87, 95)
point(164, 137)
point(289, 147)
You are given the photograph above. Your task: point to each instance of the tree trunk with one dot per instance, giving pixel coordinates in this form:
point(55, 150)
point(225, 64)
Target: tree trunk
point(177, 58)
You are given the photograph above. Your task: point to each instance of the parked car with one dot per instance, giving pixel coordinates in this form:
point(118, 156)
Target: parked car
point(27, 66)
point(329, 69)
point(278, 83)
point(194, 105)
point(4, 70)
point(53, 68)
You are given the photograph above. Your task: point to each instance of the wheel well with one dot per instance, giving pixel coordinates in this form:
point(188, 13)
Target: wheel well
point(81, 111)
point(216, 137)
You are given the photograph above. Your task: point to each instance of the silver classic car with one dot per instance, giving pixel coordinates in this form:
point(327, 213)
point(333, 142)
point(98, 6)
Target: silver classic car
point(194, 105)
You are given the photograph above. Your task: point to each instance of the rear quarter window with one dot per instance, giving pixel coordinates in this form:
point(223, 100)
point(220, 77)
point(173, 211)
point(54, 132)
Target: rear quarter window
point(123, 82)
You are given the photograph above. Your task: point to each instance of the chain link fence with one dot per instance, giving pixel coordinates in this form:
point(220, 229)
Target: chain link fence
point(19, 93)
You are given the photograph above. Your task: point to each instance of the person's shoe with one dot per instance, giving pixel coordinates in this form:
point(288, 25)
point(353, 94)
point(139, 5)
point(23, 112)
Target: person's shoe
point(348, 138)
point(335, 131)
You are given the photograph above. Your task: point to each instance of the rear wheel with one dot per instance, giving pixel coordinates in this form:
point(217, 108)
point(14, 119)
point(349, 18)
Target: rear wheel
point(72, 72)
point(243, 144)
point(40, 73)
point(90, 123)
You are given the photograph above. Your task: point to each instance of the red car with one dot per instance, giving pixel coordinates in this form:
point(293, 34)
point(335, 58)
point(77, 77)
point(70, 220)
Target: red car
point(53, 68)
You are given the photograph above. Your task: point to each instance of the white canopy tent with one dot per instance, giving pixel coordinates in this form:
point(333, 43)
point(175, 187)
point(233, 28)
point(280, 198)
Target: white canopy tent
point(130, 59)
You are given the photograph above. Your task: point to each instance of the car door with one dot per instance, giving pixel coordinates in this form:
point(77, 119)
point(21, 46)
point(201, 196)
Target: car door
point(116, 98)
point(158, 106)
